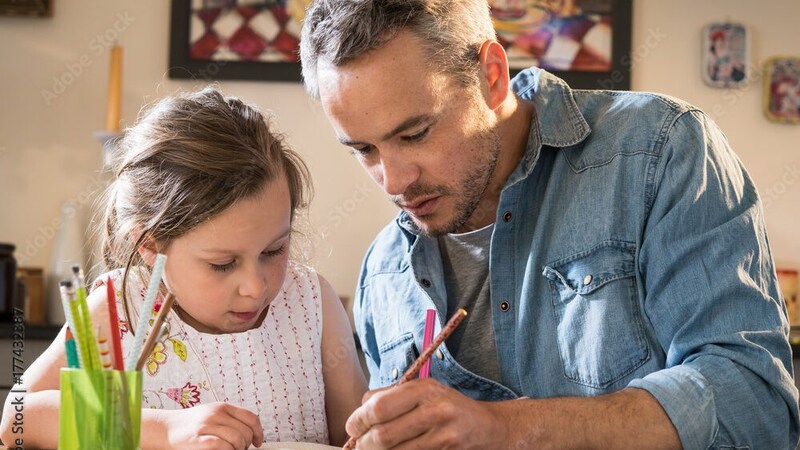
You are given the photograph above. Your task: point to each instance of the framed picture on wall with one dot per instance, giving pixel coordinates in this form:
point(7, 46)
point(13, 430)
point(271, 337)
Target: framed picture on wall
point(782, 90)
point(28, 8)
point(236, 39)
point(726, 54)
point(585, 42)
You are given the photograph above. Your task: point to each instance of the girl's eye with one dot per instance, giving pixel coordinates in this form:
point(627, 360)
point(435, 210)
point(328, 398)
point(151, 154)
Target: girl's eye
point(418, 136)
point(276, 252)
point(222, 267)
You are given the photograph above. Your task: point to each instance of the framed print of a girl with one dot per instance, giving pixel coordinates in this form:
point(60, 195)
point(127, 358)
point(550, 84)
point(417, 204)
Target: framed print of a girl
point(726, 49)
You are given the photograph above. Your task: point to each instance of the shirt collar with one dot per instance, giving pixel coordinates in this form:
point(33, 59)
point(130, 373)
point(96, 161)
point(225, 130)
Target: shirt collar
point(560, 120)
point(556, 121)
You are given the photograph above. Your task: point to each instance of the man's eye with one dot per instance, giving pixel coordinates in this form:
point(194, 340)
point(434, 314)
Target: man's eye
point(222, 267)
point(418, 136)
point(361, 151)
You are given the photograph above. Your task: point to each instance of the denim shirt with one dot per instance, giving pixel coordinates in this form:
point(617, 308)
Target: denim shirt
point(629, 250)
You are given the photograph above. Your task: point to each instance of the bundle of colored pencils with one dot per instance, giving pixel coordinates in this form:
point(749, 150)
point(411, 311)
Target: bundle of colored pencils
point(87, 349)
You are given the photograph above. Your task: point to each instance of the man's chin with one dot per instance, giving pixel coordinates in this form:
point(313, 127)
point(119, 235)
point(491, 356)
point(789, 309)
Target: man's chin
point(429, 227)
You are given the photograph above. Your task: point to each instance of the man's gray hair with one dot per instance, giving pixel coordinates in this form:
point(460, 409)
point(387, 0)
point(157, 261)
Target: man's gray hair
point(451, 32)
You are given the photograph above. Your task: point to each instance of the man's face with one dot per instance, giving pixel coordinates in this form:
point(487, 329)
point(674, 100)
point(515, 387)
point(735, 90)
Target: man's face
point(428, 141)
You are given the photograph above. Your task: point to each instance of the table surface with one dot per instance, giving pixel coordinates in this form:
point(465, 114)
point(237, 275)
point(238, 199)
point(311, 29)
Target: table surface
point(277, 446)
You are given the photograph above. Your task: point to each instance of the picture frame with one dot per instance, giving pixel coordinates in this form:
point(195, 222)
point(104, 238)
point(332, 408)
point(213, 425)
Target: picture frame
point(26, 8)
point(235, 39)
point(725, 60)
point(782, 89)
point(587, 43)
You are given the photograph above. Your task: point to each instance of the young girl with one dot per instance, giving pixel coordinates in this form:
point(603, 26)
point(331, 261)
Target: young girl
point(258, 347)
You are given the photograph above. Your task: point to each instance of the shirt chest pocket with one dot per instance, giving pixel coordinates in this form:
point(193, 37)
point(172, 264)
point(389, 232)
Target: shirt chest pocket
point(396, 356)
point(598, 321)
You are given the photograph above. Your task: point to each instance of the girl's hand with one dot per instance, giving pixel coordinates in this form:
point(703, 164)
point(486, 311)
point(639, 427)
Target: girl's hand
point(211, 426)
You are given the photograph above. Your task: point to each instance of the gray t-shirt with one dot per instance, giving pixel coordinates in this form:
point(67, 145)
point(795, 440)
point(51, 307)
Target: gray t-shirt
point(465, 258)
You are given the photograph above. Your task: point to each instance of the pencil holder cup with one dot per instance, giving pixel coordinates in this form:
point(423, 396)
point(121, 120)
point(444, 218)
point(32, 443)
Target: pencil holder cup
point(100, 409)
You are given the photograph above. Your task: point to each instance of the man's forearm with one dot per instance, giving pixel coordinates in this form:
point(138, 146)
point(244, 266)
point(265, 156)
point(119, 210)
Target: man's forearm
point(631, 418)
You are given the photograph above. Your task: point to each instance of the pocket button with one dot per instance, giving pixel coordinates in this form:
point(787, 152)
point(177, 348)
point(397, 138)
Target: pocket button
point(587, 280)
point(439, 354)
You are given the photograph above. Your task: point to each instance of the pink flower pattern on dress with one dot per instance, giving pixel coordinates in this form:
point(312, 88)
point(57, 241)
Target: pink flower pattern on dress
point(187, 396)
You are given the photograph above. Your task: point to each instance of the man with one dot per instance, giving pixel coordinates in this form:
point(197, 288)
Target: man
point(609, 247)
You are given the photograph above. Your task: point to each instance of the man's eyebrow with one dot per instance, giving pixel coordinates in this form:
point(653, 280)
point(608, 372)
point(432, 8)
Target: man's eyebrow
point(411, 122)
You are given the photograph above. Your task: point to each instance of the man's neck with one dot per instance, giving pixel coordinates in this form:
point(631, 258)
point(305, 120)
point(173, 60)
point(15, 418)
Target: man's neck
point(513, 128)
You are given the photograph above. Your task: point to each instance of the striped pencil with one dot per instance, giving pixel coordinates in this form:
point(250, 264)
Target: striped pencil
point(105, 351)
point(132, 357)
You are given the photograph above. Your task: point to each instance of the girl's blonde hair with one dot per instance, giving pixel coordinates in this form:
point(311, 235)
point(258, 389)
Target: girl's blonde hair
point(189, 158)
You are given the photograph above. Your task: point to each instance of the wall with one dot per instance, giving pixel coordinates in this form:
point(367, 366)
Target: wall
point(666, 52)
point(53, 84)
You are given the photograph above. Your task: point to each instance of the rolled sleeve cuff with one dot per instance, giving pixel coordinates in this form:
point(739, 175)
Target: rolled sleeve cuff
point(688, 400)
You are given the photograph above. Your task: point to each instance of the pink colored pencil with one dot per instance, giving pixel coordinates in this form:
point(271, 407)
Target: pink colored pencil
point(113, 318)
point(427, 339)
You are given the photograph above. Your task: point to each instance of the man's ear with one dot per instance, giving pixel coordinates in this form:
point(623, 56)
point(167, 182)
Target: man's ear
point(494, 68)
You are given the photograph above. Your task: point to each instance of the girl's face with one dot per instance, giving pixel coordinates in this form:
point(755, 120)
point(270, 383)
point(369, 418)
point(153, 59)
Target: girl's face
point(225, 272)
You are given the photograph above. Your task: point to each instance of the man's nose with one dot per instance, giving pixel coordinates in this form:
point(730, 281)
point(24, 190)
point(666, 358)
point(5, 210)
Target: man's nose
point(397, 173)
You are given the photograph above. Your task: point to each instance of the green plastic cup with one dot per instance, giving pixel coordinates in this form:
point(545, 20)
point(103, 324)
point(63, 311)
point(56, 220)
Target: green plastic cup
point(100, 409)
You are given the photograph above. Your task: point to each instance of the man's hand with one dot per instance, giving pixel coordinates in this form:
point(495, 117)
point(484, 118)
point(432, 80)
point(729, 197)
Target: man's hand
point(423, 414)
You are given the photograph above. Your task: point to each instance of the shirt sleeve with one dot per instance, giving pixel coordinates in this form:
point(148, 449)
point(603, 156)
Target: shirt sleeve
point(713, 300)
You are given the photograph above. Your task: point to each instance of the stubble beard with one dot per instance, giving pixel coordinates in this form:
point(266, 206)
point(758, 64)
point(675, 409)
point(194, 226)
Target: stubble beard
point(471, 192)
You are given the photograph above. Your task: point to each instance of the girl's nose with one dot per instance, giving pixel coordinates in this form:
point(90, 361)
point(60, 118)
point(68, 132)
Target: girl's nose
point(254, 283)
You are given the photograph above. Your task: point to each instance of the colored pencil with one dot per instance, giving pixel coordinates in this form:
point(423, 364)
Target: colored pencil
point(150, 345)
point(81, 339)
point(86, 320)
point(64, 288)
point(113, 319)
point(132, 357)
point(105, 351)
point(72, 350)
point(155, 331)
point(427, 339)
point(412, 371)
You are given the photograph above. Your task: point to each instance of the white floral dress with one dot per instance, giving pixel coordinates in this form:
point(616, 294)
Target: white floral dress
point(274, 371)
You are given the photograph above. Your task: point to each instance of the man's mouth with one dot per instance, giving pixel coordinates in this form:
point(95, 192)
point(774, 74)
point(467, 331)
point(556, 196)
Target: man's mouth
point(422, 207)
